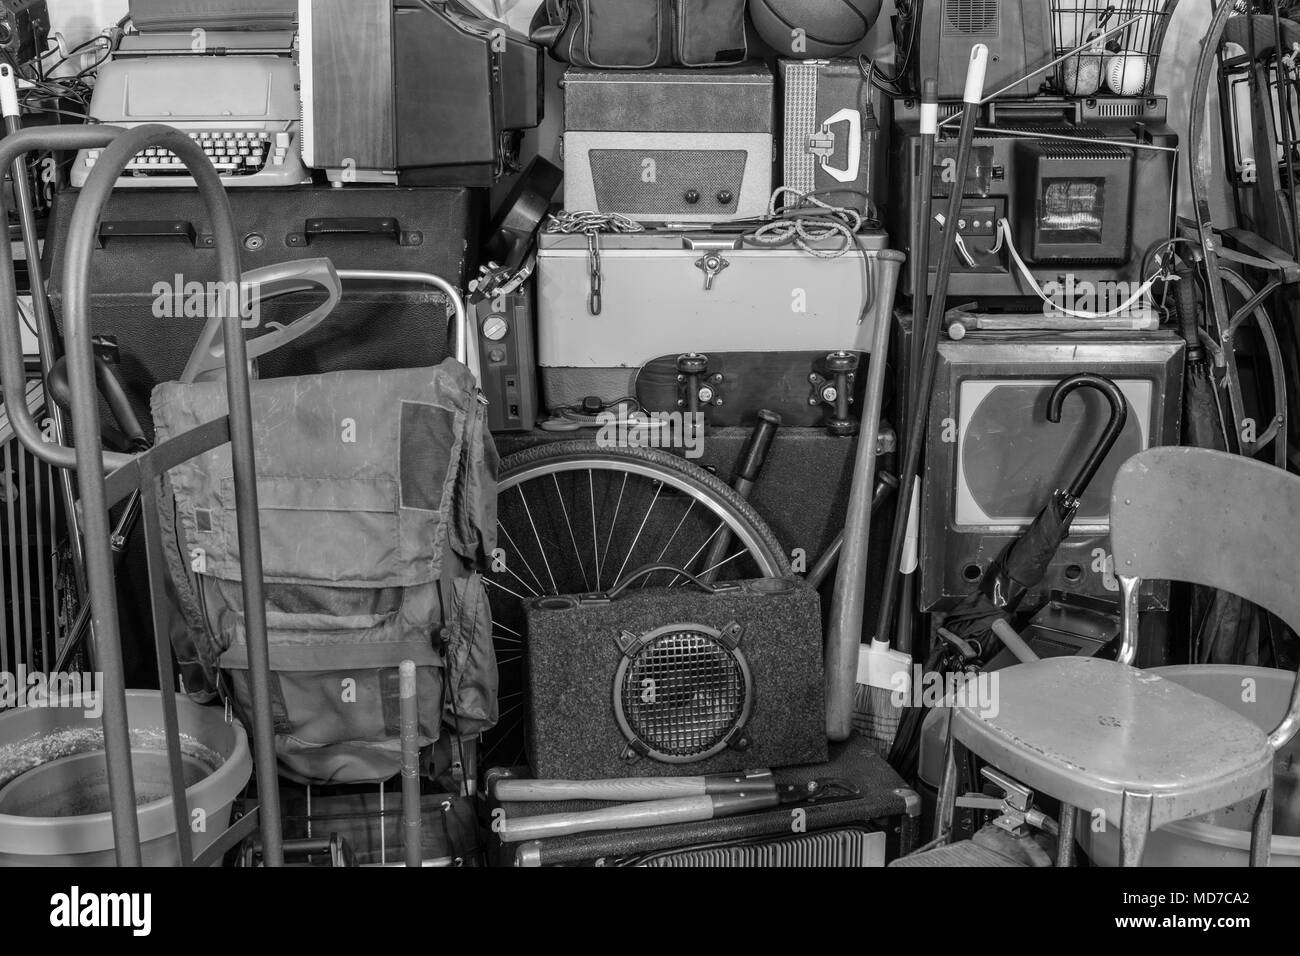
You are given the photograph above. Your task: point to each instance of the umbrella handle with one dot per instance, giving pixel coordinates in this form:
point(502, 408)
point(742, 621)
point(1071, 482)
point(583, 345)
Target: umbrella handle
point(1118, 416)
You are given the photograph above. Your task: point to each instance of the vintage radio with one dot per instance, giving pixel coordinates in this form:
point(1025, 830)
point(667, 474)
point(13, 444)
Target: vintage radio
point(993, 459)
point(835, 129)
point(660, 680)
point(669, 145)
point(1085, 188)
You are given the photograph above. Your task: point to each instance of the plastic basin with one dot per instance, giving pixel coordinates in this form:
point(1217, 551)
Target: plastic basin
point(56, 813)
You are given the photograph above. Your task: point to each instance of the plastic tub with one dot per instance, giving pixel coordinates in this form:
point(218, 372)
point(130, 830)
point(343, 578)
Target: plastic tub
point(56, 813)
point(1222, 838)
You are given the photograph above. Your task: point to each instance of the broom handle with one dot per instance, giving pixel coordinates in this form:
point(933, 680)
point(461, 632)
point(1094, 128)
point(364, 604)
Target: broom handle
point(630, 788)
point(632, 816)
point(919, 408)
point(844, 634)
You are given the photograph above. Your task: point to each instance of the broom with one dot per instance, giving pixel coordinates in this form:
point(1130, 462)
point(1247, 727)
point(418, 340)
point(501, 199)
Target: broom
point(882, 694)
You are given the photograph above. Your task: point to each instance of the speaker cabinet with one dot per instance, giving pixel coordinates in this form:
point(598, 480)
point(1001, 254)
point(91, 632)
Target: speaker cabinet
point(671, 680)
point(993, 459)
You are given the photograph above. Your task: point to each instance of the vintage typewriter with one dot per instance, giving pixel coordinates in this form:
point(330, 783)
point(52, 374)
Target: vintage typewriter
point(242, 109)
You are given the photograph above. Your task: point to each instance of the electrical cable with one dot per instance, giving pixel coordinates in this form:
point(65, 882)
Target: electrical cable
point(809, 223)
point(1005, 238)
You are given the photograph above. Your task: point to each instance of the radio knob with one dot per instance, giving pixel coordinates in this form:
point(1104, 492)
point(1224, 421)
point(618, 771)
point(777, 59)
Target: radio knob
point(692, 196)
point(724, 198)
point(495, 328)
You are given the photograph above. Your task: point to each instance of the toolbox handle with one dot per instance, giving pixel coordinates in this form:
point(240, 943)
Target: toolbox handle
point(353, 226)
point(151, 229)
point(712, 242)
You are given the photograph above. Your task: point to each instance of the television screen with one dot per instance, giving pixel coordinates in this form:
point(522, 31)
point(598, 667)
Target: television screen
point(1010, 458)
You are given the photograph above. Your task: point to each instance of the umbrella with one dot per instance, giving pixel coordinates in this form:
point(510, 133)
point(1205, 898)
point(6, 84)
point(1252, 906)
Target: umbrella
point(1021, 565)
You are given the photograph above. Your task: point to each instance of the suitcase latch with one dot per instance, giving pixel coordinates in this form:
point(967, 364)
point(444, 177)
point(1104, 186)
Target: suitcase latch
point(711, 265)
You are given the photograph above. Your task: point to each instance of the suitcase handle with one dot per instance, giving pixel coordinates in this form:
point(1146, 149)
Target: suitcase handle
point(152, 229)
point(365, 226)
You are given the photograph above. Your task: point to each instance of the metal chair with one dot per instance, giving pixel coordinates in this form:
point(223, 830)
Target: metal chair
point(1104, 736)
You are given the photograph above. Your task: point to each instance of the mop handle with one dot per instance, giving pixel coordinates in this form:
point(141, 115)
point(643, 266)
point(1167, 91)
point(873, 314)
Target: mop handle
point(919, 408)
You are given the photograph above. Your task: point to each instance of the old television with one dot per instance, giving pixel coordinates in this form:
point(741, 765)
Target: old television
point(1087, 188)
point(993, 459)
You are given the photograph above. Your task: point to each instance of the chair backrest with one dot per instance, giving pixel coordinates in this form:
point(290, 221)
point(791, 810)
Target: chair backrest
point(1211, 518)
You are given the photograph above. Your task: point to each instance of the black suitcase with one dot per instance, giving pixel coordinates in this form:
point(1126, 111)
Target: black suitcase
point(151, 241)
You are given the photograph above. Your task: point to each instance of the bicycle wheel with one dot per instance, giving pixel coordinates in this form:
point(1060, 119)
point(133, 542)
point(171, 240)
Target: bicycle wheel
point(574, 517)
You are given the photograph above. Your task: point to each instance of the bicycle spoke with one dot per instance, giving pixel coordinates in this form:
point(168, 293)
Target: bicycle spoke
point(722, 562)
point(668, 544)
point(595, 546)
point(503, 588)
point(632, 547)
point(519, 551)
point(618, 506)
point(506, 629)
point(698, 552)
point(564, 509)
point(540, 546)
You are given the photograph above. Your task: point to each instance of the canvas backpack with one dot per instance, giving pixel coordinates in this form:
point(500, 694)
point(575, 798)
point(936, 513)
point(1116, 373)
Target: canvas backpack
point(377, 506)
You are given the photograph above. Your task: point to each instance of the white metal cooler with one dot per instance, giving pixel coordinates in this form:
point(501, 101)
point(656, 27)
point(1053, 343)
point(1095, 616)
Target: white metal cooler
point(651, 294)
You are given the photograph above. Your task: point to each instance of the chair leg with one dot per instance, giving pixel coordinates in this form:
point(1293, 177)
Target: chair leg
point(947, 793)
point(1065, 839)
point(1261, 831)
point(1134, 825)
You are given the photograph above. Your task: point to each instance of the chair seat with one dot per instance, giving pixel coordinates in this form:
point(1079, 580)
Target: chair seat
point(1086, 731)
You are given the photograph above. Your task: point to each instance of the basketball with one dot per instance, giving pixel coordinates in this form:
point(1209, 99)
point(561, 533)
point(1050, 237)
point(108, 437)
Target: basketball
point(813, 29)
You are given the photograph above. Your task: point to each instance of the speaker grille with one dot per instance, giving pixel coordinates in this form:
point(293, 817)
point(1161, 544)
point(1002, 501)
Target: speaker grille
point(971, 18)
point(682, 694)
point(654, 183)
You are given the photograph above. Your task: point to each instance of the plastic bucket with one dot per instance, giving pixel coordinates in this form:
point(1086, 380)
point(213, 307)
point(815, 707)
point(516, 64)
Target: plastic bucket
point(1222, 838)
point(56, 812)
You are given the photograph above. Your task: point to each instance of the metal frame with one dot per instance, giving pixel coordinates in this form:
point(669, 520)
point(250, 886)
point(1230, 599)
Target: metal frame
point(141, 473)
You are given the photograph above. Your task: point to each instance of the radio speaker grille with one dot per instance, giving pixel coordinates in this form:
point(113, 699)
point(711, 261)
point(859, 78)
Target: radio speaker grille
point(654, 183)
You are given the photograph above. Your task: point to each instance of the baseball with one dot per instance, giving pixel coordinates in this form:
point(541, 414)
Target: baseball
point(1081, 75)
point(1126, 73)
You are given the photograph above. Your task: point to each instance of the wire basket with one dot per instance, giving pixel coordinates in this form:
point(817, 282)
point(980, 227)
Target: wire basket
point(1118, 62)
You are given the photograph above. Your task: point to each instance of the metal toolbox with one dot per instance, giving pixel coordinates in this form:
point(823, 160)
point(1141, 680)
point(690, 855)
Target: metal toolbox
point(606, 309)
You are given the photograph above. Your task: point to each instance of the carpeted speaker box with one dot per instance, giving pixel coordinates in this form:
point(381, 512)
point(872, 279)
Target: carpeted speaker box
point(675, 680)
